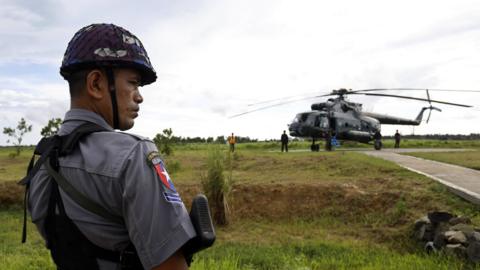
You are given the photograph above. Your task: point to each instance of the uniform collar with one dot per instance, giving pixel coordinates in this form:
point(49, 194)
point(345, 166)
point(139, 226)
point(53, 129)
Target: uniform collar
point(86, 116)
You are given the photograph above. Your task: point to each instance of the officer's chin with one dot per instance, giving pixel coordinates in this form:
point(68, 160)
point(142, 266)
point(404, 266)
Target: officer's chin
point(127, 124)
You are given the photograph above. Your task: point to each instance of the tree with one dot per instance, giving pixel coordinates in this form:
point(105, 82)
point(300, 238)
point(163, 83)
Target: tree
point(221, 139)
point(164, 141)
point(16, 135)
point(51, 128)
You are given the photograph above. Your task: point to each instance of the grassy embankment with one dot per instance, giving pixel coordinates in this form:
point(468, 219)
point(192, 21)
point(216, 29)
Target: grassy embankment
point(470, 159)
point(387, 143)
point(301, 210)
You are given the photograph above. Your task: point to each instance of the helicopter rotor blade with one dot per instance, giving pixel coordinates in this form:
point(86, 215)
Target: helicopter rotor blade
point(280, 99)
point(429, 113)
point(414, 98)
point(414, 89)
point(270, 106)
point(361, 91)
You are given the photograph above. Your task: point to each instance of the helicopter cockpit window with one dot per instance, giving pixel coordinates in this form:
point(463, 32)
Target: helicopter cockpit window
point(301, 117)
point(323, 123)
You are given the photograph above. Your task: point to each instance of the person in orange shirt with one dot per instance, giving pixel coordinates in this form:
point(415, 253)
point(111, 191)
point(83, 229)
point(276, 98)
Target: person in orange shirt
point(231, 142)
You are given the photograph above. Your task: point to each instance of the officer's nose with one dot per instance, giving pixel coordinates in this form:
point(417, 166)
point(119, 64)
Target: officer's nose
point(138, 97)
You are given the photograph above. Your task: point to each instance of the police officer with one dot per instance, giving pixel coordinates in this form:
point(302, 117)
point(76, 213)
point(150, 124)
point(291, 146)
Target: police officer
point(284, 140)
point(105, 65)
point(397, 139)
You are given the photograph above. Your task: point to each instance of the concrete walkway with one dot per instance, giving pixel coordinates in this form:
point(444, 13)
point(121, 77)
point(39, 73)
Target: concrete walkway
point(461, 181)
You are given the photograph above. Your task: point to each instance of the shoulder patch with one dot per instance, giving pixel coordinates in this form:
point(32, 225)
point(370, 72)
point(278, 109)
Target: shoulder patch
point(169, 191)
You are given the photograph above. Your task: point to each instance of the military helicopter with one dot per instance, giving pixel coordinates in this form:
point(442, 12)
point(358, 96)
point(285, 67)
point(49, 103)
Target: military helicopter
point(345, 120)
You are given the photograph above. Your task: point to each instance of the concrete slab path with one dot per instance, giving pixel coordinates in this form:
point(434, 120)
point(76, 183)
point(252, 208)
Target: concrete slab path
point(462, 181)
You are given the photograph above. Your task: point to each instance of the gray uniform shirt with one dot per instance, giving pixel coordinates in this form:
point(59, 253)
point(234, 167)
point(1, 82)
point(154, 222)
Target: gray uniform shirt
point(112, 169)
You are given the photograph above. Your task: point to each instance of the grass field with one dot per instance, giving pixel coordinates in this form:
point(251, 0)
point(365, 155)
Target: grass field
point(301, 210)
point(470, 159)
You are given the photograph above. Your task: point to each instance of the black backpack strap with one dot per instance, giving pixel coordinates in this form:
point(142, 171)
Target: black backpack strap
point(50, 150)
point(63, 145)
point(80, 198)
point(70, 141)
point(43, 148)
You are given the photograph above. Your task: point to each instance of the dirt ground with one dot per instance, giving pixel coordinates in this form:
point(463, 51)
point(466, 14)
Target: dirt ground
point(306, 201)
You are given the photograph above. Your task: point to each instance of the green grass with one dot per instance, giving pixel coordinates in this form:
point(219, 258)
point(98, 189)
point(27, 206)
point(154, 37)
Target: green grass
point(301, 210)
point(13, 254)
point(302, 145)
point(470, 159)
point(317, 255)
point(301, 245)
point(13, 169)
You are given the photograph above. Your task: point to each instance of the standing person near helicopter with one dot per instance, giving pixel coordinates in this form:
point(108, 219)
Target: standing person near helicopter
point(138, 220)
point(231, 141)
point(284, 139)
point(397, 139)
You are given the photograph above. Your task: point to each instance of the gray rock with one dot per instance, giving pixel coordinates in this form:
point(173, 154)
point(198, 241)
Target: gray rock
point(456, 250)
point(430, 247)
point(420, 231)
point(422, 220)
point(473, 252)
point(440, 229)
point(463, 228)
point(439, 240)
point(475, 236)
point(455, 237)
point(458, 220)
point(437, 217)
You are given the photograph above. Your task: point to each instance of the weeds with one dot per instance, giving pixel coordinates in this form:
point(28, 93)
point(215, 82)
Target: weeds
point(216, 185)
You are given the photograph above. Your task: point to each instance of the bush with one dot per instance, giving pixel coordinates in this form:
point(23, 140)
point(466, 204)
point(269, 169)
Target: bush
point(216, 186)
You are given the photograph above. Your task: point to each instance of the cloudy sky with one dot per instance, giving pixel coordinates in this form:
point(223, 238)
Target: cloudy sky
point(215, 57)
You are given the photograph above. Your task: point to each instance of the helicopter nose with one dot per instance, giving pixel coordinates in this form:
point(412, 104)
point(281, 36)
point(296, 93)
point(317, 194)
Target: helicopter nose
point(292, 128)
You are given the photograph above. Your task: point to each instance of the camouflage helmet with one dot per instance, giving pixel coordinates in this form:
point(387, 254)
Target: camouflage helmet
point(106, 45)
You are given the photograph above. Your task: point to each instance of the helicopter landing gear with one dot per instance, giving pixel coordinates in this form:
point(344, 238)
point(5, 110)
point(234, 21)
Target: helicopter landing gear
point(314, 147)
point(328, 144)
point(377, 145)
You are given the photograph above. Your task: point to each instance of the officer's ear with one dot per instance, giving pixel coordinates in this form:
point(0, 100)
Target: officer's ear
point(96, 84)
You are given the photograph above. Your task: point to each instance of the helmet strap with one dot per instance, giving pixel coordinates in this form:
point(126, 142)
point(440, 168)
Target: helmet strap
point(113, 96)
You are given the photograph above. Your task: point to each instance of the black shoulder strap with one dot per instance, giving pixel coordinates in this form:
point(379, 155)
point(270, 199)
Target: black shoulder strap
point(70, 141)
point(80, 198)
point(64, 144)
point(58, 146)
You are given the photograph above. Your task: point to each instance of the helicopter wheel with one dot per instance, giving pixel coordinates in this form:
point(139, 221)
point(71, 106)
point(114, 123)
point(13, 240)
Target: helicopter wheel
point(378, 145)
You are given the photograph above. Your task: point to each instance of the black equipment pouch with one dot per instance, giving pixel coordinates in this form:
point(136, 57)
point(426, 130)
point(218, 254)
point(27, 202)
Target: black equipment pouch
point(202, 222)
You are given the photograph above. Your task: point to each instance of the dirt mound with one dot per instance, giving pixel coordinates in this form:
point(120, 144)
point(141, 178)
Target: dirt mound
point(11, 193)
point(307, 201)
point(347, 202)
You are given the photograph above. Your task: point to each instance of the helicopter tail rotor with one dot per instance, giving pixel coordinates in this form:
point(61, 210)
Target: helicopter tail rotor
point(430, 112)
point(430, 108)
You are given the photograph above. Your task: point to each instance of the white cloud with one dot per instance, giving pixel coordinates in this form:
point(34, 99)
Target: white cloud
point(214, 57)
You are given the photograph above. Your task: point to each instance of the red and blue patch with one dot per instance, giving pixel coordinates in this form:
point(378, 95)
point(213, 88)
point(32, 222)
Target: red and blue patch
point(169, 191)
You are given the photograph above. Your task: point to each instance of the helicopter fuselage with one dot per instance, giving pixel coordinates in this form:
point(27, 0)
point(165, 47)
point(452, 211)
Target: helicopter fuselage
point(338, 118)
point(344, 125)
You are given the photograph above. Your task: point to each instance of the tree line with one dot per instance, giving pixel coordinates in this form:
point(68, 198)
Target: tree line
point(166, 139)
point(163, 140)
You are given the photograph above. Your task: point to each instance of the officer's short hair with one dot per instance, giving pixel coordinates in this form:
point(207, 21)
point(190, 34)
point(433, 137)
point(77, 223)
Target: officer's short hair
point(77, 82)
